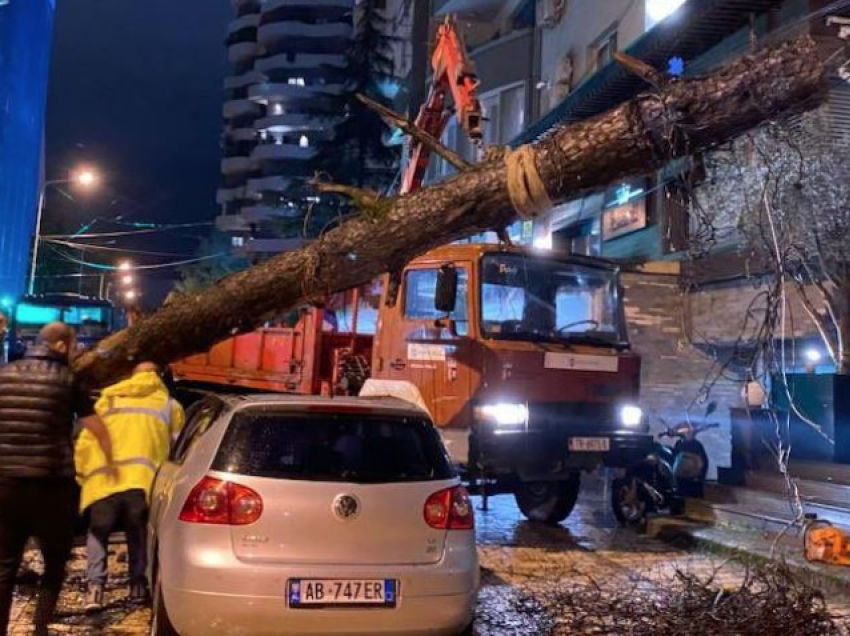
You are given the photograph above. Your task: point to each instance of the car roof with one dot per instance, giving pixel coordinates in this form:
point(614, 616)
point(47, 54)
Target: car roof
point(368, 405)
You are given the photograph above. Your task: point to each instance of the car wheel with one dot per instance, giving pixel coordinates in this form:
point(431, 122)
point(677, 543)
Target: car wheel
point(160, 623)
point(629, 501)
point(548, 501)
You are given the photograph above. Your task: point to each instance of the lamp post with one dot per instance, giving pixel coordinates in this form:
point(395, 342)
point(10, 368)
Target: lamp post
point(84, 178)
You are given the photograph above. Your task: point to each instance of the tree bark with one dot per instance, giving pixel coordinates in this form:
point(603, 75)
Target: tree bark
point(634, 138)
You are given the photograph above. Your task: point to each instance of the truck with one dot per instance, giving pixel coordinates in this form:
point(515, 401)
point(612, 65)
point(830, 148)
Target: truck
point(520, 356)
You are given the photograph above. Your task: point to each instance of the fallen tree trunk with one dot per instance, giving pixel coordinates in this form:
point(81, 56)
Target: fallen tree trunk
point(634, 138)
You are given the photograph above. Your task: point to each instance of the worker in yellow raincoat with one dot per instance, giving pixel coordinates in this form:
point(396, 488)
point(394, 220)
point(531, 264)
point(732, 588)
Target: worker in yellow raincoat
point(143, 420)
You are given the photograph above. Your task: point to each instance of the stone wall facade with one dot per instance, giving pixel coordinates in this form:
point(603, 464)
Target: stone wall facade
point(675, 373)
point(682, 339)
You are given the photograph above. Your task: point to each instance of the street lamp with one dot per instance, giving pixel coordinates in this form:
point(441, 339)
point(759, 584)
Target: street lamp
point(86, 178)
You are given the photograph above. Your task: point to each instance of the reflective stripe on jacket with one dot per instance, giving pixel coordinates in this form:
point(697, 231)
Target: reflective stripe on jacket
point(142, 420)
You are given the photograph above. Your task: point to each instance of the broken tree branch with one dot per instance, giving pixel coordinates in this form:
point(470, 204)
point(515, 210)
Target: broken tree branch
point(641, 69)
point(633, 138)
point(409, 128)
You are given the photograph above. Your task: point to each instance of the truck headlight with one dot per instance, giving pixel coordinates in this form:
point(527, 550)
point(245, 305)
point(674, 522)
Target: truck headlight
point(631, 415)
point(503, 414)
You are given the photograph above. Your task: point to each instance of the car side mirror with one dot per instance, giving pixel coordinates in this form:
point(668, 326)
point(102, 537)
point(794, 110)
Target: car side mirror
point(445, 300)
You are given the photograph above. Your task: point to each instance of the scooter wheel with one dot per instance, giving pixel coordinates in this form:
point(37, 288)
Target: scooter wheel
point(630, 502)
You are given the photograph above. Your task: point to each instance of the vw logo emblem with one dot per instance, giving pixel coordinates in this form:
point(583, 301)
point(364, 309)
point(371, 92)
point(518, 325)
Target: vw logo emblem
point(346, 507)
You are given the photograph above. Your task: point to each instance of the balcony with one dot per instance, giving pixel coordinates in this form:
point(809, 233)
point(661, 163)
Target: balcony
point(241, 134)
point(290, 122)
point(256, 187)
point(300, 61)
point(273, 5)
point(226, 195)
point(270, 246)
point(245, 22)
point(270, 34)
point(266, 92)
point(260, 213)
point(237, 165)
point(241, 108)
point(241, 81)
point(282, 152)
point(296, 122)
point(242, 52)
point(232, 223)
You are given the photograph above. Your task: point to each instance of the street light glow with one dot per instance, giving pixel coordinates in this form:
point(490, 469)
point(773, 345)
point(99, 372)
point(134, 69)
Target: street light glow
point(127, 280)
point(87, 178)
point(130, 294)
point(125, 266)
point(813, 355)
point(660, 9)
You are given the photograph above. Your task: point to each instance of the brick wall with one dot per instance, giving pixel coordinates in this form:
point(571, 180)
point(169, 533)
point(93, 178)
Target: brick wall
point(682, 338)
point(675, 372)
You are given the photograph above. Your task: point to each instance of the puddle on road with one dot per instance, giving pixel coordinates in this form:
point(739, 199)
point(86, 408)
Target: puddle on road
point(503, 611)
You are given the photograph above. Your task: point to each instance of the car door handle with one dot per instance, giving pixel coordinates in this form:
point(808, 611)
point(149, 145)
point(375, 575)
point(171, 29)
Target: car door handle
point(398, 364)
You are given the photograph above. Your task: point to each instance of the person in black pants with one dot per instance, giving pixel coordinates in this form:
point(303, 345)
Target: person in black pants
point(39, 399)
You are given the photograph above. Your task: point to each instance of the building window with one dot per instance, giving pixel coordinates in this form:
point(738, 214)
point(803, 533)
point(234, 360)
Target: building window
point(277, 109)
point(504, 114)
point(237, 241)
point(604, 49)
point(304, 142)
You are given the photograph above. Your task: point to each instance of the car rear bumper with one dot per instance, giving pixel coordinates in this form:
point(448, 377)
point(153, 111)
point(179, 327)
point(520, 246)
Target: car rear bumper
point(199, 614)
point(209, 592)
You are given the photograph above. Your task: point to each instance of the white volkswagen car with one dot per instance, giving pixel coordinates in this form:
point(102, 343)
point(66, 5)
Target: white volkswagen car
point(285, 515)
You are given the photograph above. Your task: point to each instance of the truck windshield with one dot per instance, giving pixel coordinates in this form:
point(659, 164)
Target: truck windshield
point(528, 298)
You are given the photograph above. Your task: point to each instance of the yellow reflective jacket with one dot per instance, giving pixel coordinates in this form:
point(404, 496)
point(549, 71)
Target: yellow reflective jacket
point(142, 420)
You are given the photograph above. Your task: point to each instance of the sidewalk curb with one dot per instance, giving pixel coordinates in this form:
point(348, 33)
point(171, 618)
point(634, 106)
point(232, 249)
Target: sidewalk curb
point(695, 536)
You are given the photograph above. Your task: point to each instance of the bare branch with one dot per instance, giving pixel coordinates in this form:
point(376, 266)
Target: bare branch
point(409, 128)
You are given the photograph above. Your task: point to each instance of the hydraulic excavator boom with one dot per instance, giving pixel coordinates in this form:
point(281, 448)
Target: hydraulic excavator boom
point(452, 74)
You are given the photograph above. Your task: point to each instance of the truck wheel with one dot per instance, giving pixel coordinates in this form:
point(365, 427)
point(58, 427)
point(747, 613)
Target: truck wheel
point(548, 501)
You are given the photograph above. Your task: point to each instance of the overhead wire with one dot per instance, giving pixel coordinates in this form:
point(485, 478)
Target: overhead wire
point(146, 230)
point(103, 248)
point(112, 268)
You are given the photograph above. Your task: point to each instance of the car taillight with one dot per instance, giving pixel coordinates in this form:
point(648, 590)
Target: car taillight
point(220, 502)
point(450, 509)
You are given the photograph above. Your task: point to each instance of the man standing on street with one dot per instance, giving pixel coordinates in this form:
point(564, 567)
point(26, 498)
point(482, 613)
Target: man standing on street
point(39, 399)
point(142, 420)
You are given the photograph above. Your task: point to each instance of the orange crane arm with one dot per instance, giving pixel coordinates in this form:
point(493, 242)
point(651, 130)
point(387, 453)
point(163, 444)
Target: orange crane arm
point(452, 73)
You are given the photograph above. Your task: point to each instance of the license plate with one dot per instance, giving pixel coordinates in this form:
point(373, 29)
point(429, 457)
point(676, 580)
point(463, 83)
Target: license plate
point(306, 593)
point(590, 444)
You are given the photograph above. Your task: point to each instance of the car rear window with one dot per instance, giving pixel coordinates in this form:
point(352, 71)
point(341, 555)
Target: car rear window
point(354, 448)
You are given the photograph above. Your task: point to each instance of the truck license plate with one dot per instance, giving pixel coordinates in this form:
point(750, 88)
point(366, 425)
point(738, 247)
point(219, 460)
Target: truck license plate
point(306, 593)
point(590, 444)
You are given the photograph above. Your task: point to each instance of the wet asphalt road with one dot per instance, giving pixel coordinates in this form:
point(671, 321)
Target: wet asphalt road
point(523, 565)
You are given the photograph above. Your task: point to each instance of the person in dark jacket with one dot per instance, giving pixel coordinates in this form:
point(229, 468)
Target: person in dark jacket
point(39, 399)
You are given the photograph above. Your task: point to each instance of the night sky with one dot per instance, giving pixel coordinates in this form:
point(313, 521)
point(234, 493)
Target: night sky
point(136, 88)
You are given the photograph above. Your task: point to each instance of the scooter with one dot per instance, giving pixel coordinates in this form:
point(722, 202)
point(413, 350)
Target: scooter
point(664, 478)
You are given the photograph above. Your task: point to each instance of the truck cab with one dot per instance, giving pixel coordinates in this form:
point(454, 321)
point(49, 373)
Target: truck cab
point(523, 360)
